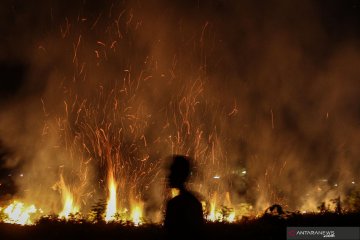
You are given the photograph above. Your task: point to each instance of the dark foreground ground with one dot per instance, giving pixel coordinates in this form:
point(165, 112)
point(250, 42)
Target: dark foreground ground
point(266, 227)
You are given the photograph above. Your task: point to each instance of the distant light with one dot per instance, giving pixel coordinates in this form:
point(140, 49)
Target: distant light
point(243, 172)
point(9, 175)
point(335, 185)
point(21, 175)
point(353, 182)
point(324, 180)
point(216, 177)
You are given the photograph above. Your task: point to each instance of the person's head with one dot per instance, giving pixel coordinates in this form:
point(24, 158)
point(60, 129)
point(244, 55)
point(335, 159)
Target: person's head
point(179, 171)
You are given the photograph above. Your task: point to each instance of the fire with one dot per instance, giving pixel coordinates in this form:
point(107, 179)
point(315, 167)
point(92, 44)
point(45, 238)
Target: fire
point(231, 217)
point(68, 201)
point(69, 207)
point(111, 203)
point(222, 213)
point(19, 213)
point(174, 192)
point(136, 214)
point(213, 213)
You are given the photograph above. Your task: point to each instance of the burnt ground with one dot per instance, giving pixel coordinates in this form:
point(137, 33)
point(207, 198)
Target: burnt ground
point(266, 227)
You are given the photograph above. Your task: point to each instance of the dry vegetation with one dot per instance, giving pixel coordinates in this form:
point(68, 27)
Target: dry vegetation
point(265, 227)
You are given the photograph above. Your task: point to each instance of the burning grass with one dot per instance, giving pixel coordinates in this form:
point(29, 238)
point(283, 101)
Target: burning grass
point(21, 213)
point(264, 227)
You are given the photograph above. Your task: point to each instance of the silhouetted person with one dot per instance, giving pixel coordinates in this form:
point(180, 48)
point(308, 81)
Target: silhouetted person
point(184, 215)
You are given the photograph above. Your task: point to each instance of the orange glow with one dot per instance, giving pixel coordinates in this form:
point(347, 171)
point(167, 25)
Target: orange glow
point(68, 201)
point(111, 203)
point(174, 192)
point(231, 217)
point(136, 214)
point(18, 213)
point(213, 214)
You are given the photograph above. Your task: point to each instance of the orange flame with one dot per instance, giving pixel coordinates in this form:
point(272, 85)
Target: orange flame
point(18, 213)
point(213, 215)
point(136, 214)
point(68, 201)
point(111, 203)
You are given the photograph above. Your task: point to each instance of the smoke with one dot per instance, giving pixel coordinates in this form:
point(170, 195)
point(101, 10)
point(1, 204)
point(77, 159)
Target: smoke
point(268, 88)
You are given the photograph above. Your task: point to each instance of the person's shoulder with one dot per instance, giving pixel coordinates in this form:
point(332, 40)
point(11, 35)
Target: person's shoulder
point(192, 197)
point(175, 200)
point(184, 196)
point(192, 194)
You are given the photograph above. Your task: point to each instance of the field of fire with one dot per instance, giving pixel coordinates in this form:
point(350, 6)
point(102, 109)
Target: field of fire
point(182, 119)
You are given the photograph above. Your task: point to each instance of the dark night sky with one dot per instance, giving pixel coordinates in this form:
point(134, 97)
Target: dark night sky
point(24, 23)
